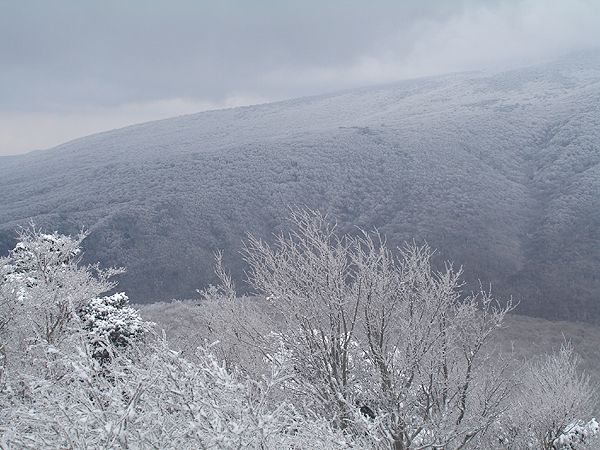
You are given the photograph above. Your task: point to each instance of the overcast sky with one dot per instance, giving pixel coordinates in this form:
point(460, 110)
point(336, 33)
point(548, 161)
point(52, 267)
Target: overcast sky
point(72, 68)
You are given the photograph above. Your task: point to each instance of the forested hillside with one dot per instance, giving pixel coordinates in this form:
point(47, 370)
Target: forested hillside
point(499, 172)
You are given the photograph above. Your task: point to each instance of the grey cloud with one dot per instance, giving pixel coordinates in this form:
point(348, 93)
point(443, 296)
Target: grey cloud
point(114, 51)
point(100, 59)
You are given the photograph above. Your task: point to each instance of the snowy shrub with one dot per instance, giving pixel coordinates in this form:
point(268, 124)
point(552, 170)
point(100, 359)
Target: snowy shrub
point(555, 395)
point(111, 319)
point(577, 435)
point(546, 410)
point(45, 285)
point(145, 397)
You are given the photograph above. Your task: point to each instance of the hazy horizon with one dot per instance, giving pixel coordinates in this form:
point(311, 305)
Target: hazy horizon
point(70, 69)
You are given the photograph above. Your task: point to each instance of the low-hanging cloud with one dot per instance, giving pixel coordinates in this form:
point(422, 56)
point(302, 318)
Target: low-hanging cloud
point(86, 66)
point(490, 36)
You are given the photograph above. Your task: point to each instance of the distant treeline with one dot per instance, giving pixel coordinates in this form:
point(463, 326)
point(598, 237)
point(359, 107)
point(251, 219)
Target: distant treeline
point(498, 173)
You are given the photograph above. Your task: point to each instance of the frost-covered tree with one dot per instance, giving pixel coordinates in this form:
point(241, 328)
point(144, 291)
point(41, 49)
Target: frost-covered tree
point(362, 348)
point(364, 328)
point(238, 329)
point(556, 396)
point(44, 281)
point(552, 407)
point(436, 387)
point(7, 312)
point(306, 279)
point(110, 319)
point(42, 287)
point(146, 397)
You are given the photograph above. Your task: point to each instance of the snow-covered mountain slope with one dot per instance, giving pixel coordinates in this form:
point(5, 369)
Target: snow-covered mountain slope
point(499, 172)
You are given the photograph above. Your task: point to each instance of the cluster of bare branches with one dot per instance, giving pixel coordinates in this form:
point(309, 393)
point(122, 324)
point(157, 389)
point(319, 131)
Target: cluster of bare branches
point(366, 328)
point(357, 347)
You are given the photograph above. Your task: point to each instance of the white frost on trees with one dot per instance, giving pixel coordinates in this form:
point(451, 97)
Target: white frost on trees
point(45, 283)
point(361, 349)
point(366, 328)
point(550, 401)
point(112, 318)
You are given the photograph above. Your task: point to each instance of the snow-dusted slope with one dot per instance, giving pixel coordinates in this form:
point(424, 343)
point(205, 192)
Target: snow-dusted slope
point(499, 172)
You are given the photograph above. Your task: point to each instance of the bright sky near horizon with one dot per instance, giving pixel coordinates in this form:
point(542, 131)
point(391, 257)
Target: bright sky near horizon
point(72, 68)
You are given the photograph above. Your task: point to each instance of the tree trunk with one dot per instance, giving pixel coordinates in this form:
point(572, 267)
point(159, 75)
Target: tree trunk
point(397, 443)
